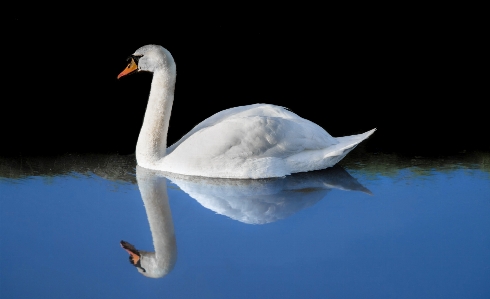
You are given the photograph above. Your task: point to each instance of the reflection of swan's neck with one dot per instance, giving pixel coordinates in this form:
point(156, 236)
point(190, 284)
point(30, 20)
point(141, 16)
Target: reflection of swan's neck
point(152, 141)
point(154, 193)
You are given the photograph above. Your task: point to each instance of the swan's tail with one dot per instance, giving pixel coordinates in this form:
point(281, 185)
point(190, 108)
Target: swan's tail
point(345, 145)
point(352, 141)
point(328, 157)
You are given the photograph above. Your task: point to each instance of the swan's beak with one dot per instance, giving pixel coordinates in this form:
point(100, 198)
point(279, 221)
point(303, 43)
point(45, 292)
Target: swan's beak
point(134, 255)
point(132, 67)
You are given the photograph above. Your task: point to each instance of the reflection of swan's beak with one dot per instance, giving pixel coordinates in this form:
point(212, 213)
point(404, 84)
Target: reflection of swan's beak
point(132, 67)
point(134, 255)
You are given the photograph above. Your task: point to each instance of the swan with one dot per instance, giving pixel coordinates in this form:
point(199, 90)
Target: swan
point(246, 142)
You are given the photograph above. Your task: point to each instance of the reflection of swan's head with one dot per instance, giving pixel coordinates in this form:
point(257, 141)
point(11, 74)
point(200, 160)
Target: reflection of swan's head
point(147, 262)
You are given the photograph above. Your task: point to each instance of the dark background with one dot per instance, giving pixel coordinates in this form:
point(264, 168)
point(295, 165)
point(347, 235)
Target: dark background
point(414, 76)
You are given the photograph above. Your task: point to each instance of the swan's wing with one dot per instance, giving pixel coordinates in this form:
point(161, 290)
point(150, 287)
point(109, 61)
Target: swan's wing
point(246, 146)
point(256, 141)
point(264, 110)
point(262, 136)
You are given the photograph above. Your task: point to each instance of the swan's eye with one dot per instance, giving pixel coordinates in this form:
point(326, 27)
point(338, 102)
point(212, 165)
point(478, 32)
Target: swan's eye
point(136, 58)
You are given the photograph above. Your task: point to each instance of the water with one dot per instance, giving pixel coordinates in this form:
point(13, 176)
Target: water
point(380, 226)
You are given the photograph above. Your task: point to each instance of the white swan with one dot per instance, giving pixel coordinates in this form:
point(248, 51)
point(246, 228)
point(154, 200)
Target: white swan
point(255, 141)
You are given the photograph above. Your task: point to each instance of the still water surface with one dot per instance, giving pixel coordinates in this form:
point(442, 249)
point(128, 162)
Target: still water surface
point(379, 226)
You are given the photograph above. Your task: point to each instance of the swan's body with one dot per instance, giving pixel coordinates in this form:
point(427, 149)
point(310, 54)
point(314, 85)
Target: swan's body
point(255, 141)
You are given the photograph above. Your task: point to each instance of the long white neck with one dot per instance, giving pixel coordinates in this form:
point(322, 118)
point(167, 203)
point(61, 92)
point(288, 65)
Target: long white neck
point(153, 190)
point(152, 141)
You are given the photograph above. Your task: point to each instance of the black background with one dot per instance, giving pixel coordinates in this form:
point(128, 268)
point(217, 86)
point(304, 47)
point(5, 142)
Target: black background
point(414, 76)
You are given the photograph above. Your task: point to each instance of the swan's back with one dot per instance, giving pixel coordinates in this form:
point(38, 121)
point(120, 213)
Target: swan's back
point(256, 110)
point(254, 141)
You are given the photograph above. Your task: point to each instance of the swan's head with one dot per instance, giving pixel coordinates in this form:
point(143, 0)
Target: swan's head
point(149, 58)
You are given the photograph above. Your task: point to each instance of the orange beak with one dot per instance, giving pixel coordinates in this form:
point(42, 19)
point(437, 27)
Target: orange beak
point(132, 67)
point(134, 255)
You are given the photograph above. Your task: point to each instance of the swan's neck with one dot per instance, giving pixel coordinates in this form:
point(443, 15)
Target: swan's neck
point(154, 193)
point(152, 141)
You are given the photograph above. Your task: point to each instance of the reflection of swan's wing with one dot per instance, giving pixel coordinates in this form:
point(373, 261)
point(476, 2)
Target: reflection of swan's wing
point(268, 200)
point(335, 178)
point(252, 207)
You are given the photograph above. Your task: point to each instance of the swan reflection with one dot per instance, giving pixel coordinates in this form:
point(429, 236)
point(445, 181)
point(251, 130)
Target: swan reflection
point(265, 200)
point(248, 201)
point(153, 189)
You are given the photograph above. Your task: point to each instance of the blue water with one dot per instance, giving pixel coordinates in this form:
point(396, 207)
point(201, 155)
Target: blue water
point(396, 232)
